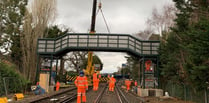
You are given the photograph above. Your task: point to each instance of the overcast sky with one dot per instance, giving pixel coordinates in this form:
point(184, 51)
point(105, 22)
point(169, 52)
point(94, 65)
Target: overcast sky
point(123, 16)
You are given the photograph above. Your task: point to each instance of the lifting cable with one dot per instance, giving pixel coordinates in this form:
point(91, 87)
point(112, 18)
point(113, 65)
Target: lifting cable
point(100, 9)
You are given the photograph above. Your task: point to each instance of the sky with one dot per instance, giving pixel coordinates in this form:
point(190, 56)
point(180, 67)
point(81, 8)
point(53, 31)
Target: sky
point(122, 16)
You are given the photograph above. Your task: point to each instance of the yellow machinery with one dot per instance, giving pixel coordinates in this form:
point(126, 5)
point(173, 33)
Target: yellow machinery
point(18, 96)
point(3, 100)
point(90, 68)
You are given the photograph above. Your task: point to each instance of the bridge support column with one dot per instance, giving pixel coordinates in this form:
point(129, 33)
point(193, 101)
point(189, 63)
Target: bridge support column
point(37, 69)
point(44, 70)
point(149, 76)
point(143, 71)
point(50, 73)
point(56, 70)
point(158, 73)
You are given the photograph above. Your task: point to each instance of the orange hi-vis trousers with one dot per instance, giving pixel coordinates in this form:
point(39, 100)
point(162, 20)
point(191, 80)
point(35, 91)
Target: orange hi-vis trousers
point(81, 91)
point(128, 84)
point(95, 84)
point(57, 86)
point(112, 84)
point(111, 87)
point(128, 87)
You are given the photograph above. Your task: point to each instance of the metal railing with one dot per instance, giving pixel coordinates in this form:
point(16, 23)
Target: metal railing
point(98, 42)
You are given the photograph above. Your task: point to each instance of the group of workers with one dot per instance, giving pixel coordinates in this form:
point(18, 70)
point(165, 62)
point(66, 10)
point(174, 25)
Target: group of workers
point(81, 83)
point(96, 81)
point(128, 83)
point(38, 90)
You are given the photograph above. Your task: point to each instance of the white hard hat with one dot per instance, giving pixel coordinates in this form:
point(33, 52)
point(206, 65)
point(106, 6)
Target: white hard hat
point(33, 88)
point(112, 76)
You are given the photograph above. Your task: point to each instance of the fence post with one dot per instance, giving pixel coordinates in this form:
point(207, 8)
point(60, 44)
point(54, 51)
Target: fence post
point(185, 95)
point(5, 86)
point(1, 85)
point(206, 95)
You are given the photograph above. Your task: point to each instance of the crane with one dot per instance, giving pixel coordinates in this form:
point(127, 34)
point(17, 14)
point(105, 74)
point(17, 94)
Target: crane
point(90, 67)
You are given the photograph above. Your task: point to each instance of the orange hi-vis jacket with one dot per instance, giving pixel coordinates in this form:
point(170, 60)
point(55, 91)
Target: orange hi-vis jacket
point(57, 86)
point(112, 81)
point(135, 83)
point(81, 82)
point(128, 82)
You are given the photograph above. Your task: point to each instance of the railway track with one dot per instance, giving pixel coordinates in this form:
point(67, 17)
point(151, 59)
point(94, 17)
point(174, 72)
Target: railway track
point(130, 97)
point(99, 97)
point(60, 97)
point(121, 96)
point(68, 99)
point(117, 94)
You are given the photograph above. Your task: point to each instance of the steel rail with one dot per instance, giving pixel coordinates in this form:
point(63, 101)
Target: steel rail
point(99, 97)
point(121, 94)
point(68, 99)
point(71, 98)
point(45, 97)
point(119, 98)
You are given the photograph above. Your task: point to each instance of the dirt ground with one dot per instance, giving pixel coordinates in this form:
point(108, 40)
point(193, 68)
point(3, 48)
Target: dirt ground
point(164, 100)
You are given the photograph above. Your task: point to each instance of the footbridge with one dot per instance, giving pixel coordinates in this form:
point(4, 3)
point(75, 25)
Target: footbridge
point(97, 42)
point(50, 49)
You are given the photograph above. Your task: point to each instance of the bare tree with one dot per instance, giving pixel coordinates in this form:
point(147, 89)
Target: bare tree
point(159, 22)
point(38, 16)
point(76, 59)
point(144, 34)
point(162, 21)
point(43, 13)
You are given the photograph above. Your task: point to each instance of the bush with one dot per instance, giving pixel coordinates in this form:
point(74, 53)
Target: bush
point(10, 78)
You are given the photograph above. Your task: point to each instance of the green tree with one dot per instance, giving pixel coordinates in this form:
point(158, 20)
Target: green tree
point(11, 22)
point(198, 61)
point(125, 71)
point(96, 60)
point(132, 67)
point(54, 31)
point(184, 54)
point(173, 51)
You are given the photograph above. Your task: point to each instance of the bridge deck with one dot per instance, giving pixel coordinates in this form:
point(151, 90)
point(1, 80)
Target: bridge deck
point(97, 42)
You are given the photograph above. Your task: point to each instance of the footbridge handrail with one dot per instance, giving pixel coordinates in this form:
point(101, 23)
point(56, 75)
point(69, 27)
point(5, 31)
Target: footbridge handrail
point(97, 42)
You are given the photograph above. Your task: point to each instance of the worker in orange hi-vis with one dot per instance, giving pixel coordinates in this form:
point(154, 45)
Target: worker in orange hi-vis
point(95, 81)
point(82, 85)
point(112, 83)
point(128, 84)
point(97, 84)
point(135, 83)
point(57, 86)
point(98, 81)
